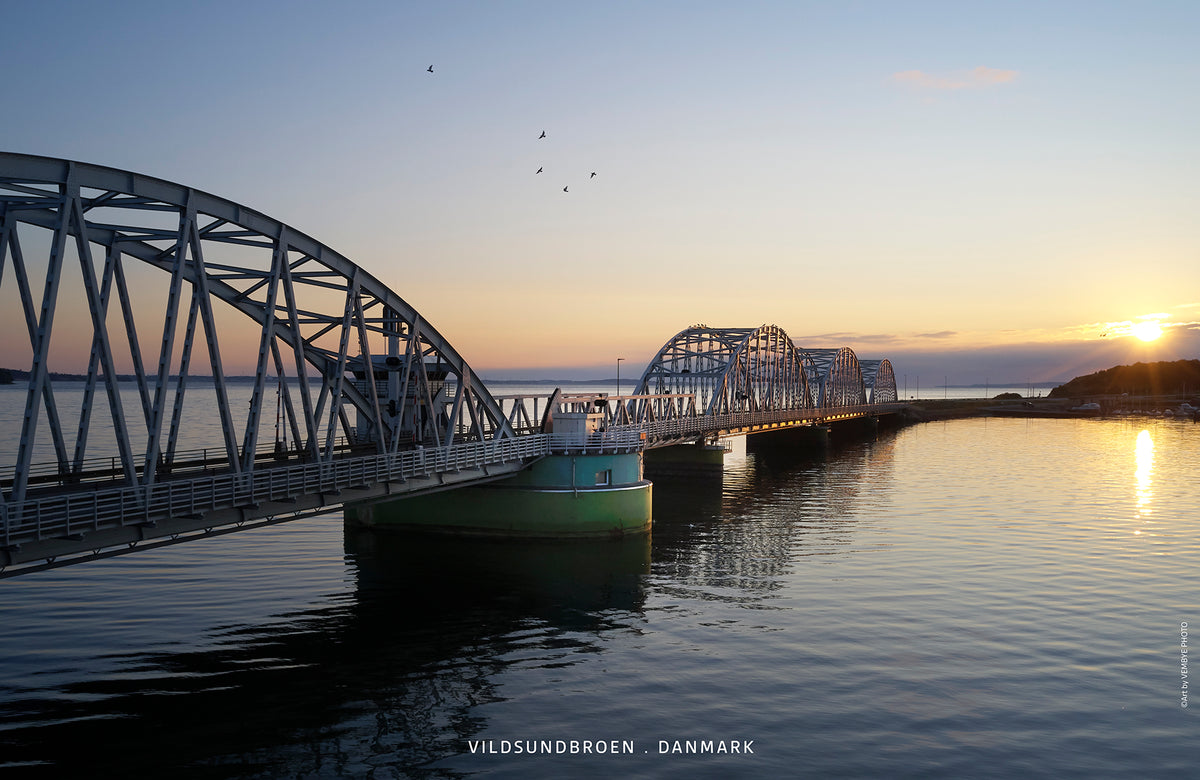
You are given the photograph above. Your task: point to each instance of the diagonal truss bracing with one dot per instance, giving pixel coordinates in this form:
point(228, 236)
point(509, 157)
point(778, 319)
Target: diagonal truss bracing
point(338, 360)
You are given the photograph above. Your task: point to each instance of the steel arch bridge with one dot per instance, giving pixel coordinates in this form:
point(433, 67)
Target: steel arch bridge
point(153, 280)
point(761, 369)
point(315, 316)
point(352, 395)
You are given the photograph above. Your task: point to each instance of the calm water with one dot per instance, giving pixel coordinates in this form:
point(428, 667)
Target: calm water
point(976, 598)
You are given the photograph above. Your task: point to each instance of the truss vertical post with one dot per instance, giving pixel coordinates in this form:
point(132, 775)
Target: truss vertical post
point(333, 386)
point(312, 444)
point(279, 260)
point(289, 408)
point(38, 375)
point(154, 434)
point(364, 348)
point(200, 290)
point(181, 379)
point(135, 350)
point(98, 306)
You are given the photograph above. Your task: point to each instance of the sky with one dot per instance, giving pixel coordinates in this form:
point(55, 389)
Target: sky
point(979, 192)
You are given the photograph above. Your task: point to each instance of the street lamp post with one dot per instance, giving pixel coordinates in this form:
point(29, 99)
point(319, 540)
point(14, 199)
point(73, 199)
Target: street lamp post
point(619, 375)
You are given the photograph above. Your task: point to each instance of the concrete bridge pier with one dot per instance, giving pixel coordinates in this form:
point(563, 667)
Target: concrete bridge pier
point(560, 496)
point(578, 494)
point(857, 428)
point(688, 458)
point(811, 439)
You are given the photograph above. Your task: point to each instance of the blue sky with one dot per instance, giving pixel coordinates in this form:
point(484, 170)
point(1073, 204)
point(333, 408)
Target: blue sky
point(976, 191)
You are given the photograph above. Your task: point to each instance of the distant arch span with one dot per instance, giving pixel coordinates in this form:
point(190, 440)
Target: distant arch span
point(880, 381)
point(839, 377)
point(731, 369)
point(758, 369)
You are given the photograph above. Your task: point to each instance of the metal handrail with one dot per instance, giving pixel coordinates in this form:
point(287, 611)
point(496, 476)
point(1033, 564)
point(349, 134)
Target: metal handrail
point(100, 467)
point(80, 511)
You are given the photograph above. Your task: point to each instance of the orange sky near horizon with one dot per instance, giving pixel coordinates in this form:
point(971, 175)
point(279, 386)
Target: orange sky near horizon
point(973, 195)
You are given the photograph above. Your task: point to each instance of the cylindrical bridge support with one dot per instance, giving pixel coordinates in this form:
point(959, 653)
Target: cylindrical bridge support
point(559, 497)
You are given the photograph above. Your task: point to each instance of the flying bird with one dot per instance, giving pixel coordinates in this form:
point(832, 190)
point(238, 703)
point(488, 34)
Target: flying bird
point(543, 135)
point(539, 170)
point(564, 189)
point(593, 175)
point(430, 69)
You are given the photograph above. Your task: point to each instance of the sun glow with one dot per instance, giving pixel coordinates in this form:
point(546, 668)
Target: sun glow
point(1147, 331)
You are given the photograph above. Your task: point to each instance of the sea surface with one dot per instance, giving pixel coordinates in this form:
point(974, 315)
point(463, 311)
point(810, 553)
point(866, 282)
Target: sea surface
point(985, 598)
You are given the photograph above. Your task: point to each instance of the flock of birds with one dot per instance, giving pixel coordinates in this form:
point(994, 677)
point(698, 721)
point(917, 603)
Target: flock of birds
point(540, 137)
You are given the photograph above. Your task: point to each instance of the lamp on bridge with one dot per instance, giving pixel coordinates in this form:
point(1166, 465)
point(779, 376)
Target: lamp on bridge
point(619, 375)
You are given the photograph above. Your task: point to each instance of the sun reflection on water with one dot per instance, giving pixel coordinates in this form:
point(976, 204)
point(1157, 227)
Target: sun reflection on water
point(1144, 453)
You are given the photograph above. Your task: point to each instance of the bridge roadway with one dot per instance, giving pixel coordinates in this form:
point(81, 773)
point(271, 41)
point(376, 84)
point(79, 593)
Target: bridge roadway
point(72, 523)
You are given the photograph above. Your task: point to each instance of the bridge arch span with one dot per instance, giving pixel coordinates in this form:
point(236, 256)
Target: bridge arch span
point(838, 377)
point(329, 340)
point(880, 381)
point(731, 370)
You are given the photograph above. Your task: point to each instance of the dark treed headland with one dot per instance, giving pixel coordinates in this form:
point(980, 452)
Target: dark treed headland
point(1163, 378)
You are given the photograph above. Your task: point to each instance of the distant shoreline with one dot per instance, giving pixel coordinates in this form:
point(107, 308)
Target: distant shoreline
point(932, 410)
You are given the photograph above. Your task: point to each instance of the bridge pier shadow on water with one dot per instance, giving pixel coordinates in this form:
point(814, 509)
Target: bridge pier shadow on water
point(394, 672)
point(558, 581)
point(391, 672)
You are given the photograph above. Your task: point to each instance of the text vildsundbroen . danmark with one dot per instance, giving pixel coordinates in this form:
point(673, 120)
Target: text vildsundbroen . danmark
point(611, 746)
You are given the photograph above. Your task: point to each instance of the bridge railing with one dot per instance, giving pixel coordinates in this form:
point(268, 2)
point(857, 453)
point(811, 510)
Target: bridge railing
point(665, 431)
point(75, 512)
point(668, 416)
point(107, 468)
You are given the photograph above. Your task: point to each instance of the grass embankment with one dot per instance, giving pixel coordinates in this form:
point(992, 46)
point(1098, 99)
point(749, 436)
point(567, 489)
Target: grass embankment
point(950, 409)
point(954, 408)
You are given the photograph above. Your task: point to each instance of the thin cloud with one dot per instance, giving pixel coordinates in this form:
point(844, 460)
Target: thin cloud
point(826, 337)
point(847, 337)
point(973, 79)
point(844, 338)
point(982, 76)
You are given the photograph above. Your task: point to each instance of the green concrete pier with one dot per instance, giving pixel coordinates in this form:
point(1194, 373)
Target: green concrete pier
point(559, 497)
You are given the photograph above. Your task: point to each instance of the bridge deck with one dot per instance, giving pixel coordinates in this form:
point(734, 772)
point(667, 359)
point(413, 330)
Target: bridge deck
point(83, 520)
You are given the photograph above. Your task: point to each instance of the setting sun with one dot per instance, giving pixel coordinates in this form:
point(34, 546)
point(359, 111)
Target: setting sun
point(1147, 331)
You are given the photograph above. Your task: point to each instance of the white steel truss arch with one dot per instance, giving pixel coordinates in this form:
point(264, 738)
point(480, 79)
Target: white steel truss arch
point(731, 370)
point(332, 341)
point(838, 376)
point(879, 380)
